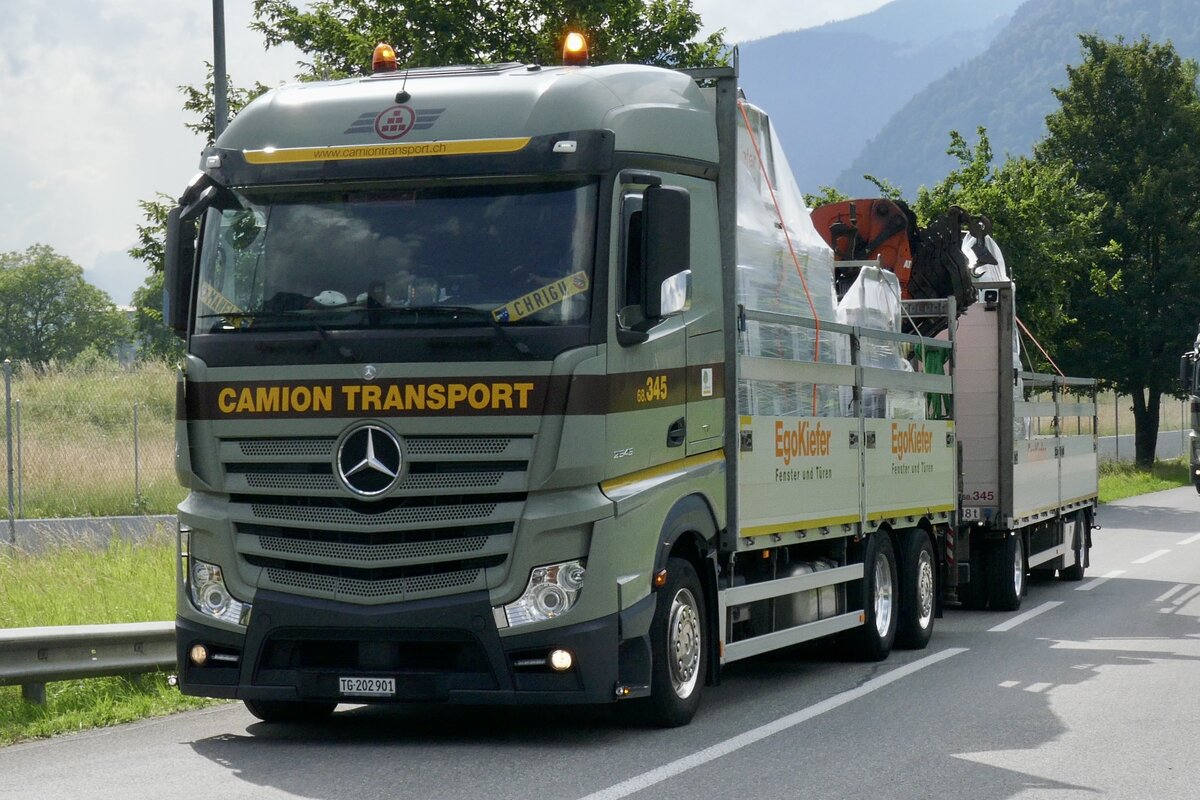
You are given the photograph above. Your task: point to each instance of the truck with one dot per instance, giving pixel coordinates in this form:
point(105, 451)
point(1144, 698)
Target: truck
point(531, 384)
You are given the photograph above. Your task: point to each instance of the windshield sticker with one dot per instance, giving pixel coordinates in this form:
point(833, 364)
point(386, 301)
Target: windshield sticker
point(219, 303)
point(542, 298)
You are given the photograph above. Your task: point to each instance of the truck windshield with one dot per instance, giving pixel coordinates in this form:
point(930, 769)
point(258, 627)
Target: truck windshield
point(513, 255)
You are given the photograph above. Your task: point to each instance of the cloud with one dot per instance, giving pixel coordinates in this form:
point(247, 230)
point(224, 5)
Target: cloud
point(90, 117)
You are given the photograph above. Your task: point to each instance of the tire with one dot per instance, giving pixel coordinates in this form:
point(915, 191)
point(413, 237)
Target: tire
point(678, 647)
point(1007, 583)
point(874, 639)
point(290, 710)
point(1075, 571)
point(974, 595)
point(918, 587)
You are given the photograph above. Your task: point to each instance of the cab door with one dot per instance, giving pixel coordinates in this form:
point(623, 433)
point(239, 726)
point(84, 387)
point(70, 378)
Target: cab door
point(647, 376)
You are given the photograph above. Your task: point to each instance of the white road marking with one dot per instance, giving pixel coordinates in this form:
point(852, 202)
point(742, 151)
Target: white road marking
point(1147, 558)
point(1009, 624)
point(1165, 596)
point(706, 756)
point(1009, 684)
point(1183, 598)
point(1190, 540)
point(1038, 688)
point(1106, 577)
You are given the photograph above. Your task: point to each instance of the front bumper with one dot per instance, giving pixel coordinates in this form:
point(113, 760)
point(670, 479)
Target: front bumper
point(442, 650)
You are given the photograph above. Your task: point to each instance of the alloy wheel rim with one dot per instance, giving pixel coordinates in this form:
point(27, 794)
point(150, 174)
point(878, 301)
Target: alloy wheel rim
point(684, 643)
point(925, 588)
point(883, 597)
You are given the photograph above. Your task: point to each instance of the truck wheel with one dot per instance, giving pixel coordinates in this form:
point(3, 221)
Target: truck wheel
point(1007, 573)
point(974, 595)
point(1077, 534)
point(917, 587)
point(873, 640)
point(289, 710)
point(677, 643)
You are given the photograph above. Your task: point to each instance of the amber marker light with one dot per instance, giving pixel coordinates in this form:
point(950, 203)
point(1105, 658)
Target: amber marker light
point(383, 59)
point(660, 579)
point(575, 50)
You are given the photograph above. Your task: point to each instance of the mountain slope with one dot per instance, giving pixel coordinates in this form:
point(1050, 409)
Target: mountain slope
point(831, 88)
point(1007, 87)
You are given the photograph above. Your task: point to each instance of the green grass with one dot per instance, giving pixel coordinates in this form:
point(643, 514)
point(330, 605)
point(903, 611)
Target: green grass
point(1121, 480)
point(73, 586)
point(77, 440)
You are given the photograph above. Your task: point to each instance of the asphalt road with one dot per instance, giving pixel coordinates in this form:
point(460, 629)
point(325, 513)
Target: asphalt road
point(1091, 690)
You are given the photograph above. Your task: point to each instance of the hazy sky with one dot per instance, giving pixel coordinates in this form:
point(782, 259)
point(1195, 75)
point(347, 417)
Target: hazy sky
point(90, 118)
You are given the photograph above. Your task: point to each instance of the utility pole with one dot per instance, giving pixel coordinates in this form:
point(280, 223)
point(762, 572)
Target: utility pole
point(220, 82)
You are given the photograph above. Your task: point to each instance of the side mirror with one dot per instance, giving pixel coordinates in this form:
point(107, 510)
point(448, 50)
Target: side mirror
point(666, 238)
point(179, 257)
point(1186, 373)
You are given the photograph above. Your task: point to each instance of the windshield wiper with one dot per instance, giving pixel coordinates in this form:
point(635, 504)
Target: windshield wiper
point(475, 314)
point(247, 318)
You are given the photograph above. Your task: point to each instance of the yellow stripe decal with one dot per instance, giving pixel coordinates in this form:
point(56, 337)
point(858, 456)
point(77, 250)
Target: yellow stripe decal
point(459, 147)
point(910, 512)
point(714, 457)
point(1055, 506)
point(798, 525)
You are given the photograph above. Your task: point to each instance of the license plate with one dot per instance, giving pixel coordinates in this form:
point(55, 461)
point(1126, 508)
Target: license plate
point(367, 687)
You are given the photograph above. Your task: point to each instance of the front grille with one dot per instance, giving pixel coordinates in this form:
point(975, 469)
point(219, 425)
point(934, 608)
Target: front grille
point(450, 519)
point(338, 587)
point(349, 518)
point(287, 448)
point(369, 553)
point(457, 445)
point(393, 650)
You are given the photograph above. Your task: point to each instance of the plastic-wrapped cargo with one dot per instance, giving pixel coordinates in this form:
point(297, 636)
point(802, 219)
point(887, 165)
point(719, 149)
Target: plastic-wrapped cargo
point(784, 267)
point(873, 301)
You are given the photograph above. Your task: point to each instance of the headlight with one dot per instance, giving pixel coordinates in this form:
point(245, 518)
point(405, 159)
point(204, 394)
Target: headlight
point(551, 591)
point(206, 585)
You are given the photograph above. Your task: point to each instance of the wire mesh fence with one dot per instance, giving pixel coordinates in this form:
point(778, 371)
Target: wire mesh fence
point(90, 440)
point(1115, 419)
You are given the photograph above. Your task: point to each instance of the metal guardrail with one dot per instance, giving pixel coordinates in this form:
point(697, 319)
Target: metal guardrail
point(33, 657)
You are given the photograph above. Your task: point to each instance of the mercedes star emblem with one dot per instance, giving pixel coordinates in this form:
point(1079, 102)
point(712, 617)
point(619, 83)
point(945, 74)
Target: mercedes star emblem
point(369, 460)
point(369, 372)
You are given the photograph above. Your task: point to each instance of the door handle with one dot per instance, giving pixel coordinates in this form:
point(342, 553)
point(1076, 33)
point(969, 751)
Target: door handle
point(677, 433)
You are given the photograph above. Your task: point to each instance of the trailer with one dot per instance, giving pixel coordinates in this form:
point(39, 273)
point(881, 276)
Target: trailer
point(1029, 461)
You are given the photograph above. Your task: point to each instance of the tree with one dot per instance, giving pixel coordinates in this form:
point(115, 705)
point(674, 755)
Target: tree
point(1046, 225)
point(1128, 129)
point(340, 35)
point(49, 312)
point(156, 340)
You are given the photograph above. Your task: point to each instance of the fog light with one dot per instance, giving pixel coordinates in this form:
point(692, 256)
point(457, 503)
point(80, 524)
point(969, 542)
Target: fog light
point(198, 655)
point(560, 660)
